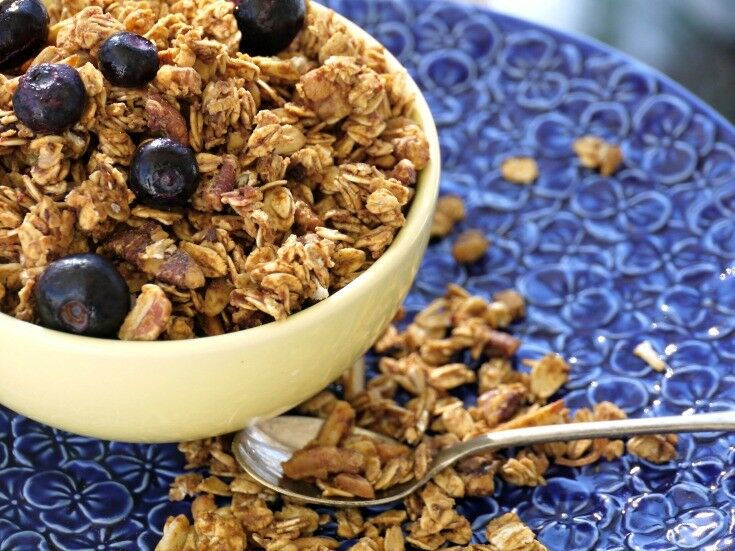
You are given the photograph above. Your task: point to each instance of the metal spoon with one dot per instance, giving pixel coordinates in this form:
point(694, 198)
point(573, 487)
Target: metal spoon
point(261, 448)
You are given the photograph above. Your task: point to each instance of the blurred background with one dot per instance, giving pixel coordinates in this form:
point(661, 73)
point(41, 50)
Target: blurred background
point(692, 41)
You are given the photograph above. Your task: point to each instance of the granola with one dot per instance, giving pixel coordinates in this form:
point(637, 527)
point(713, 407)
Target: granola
point(421, 360)
point(308, 162)
point(519, 170)
point(470, 246)
point(449, 211)
point(596, 153)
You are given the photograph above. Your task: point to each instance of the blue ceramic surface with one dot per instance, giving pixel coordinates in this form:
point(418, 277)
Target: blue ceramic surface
point(604, 262)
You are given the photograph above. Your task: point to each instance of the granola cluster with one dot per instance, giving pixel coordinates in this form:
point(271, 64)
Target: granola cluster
point(308, 162)
point(459, 340)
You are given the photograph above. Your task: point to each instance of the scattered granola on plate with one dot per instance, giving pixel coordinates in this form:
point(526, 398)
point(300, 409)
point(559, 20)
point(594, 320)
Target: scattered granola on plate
point(459, 341)
point(596, 153)
point(229, 185)
point(519, 170)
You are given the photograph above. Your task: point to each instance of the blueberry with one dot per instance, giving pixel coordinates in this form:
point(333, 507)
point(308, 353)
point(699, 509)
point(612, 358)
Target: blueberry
point(82, 294)
point(23, 31)
point(163, 173)
point(50, 98)
point(128, 60)
point(268, 26)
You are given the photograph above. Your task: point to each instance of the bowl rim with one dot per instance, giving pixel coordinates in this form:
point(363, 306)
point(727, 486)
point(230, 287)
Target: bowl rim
point(420, 212)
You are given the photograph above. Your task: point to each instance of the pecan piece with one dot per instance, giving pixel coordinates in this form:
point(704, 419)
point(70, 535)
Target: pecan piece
point(176, 268)
point(501, 404)
point(149, 317)
point(504, 343)
point(319, 461)
point(165, 119)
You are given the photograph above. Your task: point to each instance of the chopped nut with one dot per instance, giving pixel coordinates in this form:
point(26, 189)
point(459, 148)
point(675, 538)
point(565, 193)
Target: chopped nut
point(519, 170)
point(470, 247)
point(319, 461)
point(645, 351)
point(149, 317)
point(166, 119)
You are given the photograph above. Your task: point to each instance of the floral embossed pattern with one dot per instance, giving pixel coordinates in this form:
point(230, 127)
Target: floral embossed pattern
point(604, 262)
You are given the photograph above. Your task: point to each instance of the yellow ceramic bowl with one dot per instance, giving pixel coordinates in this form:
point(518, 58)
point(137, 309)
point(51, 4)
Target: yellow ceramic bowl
point(182, 390)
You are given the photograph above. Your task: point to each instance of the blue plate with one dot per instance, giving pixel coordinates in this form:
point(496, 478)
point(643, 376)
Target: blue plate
point(604, 263)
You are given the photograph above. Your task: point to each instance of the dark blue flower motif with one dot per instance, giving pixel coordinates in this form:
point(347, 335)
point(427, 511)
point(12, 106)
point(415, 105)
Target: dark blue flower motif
point(554, 134)
point(25, 541)
point(617, 479)
point(621, 208)
point(435, 21)
point(720, 238)
point(668, 138)
point(690, 353)
point(447, 70)
point(709, 209)
point(119, 537)
point(583, 297)
point(608, 80)
point(702, 305)
point(155, 516)
point(498, 133)
point(144, 469)
point(501, 258)
point(566, 515)
point(13, 538)
point(536, 69)
point(712, 172)
point(696, 389)
point(438, 270)
point(5, 436)
point(564, 243)
point(81, 495)
point(44, 447)
point(585, 353)
point(682, 518)
point(683, 254)
point(625, 362)
point(629, 395)
point(13, 505)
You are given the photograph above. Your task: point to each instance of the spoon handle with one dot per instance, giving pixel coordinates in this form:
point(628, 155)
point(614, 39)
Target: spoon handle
point(718, 421)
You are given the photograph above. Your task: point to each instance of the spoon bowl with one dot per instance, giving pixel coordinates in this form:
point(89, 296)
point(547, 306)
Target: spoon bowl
point(263, 447)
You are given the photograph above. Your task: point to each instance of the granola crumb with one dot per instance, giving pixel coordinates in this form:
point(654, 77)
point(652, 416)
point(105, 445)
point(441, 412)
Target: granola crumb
point(508, 533)
point(548, 375)
point(596, 153)
point(449, 210)
point(654, 448)
point(519, 170)
point(470, 246)
point(645, 351)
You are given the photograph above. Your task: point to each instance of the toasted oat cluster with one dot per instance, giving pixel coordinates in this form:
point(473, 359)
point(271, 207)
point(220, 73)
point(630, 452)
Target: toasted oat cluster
point(307, 164)
point(425, 361)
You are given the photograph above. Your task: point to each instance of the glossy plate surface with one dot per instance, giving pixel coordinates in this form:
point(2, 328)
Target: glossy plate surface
point(604, 262)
